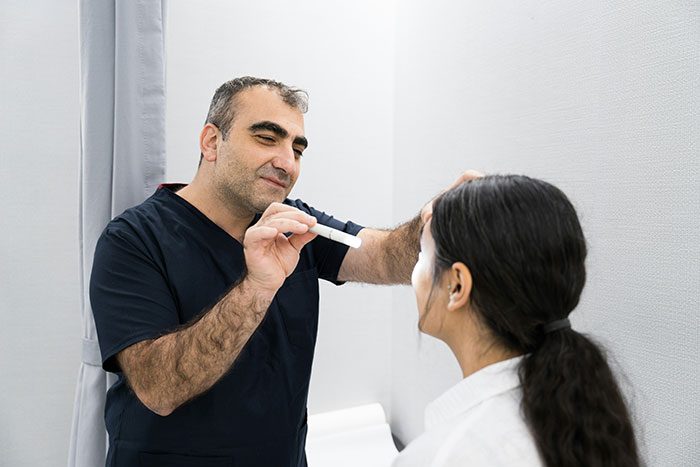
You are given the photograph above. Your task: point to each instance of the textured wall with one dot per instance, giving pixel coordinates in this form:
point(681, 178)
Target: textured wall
point(603, 100)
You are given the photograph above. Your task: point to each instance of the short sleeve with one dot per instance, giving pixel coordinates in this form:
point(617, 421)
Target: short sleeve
point(328, 255)
point(129, 294)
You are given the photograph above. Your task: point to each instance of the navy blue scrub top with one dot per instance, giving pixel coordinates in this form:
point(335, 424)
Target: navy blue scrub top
point(159, 265)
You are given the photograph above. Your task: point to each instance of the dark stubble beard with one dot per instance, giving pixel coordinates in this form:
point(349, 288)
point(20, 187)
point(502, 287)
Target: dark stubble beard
point(239, 193)
point(236, 187)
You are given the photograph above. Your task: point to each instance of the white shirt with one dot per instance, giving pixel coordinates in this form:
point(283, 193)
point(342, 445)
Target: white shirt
point(476, 423)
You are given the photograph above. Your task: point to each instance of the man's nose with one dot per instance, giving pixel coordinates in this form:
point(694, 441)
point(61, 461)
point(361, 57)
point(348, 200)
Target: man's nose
point(285, 160)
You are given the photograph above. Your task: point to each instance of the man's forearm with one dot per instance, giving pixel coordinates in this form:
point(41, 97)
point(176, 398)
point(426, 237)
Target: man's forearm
point(168, 371)
point(401, 247)
point(386, 256)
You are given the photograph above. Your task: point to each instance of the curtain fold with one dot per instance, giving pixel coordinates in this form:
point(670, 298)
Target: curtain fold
point(122, 161)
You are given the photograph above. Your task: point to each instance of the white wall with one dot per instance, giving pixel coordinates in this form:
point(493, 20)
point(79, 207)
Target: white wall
point(342, 53)
point(604, 101)
point(39, 292)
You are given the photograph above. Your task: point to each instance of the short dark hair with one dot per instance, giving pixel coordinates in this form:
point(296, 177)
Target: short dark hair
point(222, 107)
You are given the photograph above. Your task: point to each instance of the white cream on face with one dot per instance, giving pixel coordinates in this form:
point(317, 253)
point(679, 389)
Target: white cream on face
point(422, 282)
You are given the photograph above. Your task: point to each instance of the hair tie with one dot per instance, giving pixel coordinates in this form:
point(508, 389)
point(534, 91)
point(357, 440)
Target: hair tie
point(556, 325)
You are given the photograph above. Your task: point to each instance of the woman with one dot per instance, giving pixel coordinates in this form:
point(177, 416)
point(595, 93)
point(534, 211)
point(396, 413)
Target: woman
point(501, 267)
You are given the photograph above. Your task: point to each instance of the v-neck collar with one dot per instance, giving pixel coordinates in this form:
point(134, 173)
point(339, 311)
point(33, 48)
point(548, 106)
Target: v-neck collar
point(169, 189)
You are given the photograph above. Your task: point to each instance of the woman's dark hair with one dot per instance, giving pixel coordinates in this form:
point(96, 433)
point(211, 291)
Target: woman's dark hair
point(523, 244)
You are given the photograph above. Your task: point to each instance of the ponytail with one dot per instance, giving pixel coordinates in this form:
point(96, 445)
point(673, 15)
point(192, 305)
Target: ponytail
point(524, 246)
point(574, 406)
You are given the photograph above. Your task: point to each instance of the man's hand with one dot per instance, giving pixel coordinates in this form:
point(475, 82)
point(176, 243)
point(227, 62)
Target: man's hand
point(427, 211)
point(271, 256)
point(388, 256)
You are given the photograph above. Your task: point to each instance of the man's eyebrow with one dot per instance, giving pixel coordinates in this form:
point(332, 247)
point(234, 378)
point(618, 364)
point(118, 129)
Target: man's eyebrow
point(277, 130)
point(301, 141)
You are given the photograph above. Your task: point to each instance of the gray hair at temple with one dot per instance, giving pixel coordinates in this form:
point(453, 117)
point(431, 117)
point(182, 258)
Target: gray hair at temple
point(223, 105)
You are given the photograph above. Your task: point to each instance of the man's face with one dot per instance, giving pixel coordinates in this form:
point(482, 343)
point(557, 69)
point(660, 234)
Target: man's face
point(259, 161)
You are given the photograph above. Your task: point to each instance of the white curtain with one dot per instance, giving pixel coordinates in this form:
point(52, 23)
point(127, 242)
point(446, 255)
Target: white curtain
point(122, 161)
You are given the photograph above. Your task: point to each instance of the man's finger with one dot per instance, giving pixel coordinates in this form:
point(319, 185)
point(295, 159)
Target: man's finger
point(466, 176)
point(299, 240)
point(274, 208)
point(296, 215)
point(261, 234)
point(283, 225)
point(282, 211)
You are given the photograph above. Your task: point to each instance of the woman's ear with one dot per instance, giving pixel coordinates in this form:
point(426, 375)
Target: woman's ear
point(209, 142)
point(460, 286)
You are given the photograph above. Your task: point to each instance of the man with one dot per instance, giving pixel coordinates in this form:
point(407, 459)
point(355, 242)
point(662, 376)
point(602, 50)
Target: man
point(206, 296)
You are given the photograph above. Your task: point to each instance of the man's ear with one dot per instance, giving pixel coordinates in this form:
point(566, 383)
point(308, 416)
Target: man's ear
point(460, 286)
point(209, 141)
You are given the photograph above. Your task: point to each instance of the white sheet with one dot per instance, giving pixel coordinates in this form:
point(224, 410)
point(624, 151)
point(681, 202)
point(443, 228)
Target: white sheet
point(359, 436)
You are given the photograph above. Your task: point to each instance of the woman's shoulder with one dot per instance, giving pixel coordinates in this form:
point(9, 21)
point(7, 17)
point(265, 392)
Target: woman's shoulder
point(491, 433)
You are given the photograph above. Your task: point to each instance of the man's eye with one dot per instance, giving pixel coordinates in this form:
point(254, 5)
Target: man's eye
point(299, 152)
point(265, 138)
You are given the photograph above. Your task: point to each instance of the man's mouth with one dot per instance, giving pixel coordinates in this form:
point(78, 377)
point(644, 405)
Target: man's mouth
point(275, 182)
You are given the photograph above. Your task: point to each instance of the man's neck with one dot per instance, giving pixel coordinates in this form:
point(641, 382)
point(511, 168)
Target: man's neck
point(211, 205)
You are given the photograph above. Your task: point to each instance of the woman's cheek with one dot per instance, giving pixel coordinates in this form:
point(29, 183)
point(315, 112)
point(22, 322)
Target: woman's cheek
point(414, 275)
point(417, 273)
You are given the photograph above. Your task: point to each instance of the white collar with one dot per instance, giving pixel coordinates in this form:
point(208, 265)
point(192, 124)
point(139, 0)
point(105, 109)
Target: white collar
point(486, 383)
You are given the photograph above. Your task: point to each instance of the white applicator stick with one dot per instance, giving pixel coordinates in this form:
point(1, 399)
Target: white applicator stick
point(336, 235)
